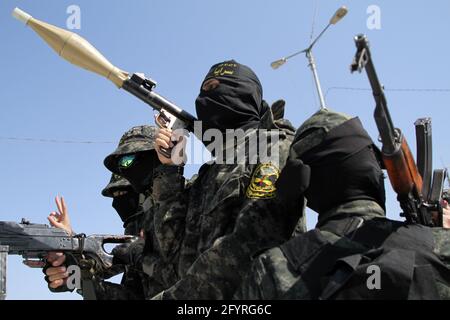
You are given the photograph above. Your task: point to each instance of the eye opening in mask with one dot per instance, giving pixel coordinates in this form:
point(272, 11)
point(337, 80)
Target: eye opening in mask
point(210, 84)
point(119, 193)
point(126, 161)
point(116, 177)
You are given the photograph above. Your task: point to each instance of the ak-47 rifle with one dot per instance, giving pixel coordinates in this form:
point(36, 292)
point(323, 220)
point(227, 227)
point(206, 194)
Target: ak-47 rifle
point(416, 199)
point(34, 241)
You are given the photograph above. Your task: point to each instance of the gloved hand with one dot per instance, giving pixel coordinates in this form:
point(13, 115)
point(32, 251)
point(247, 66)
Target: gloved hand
point(278, 109)
point(293, 180)
point(128, 253)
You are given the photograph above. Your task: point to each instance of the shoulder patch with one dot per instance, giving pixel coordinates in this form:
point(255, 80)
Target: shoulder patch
point(262, 184)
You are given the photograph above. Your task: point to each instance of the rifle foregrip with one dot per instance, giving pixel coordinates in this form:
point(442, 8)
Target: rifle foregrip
point(403, 171)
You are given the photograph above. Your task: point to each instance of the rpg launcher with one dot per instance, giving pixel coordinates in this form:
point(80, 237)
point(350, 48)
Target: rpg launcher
point(80, 52)
point(419, 189)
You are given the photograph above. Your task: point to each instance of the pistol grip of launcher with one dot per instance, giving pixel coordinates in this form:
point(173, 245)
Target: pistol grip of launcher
point(163, 121)
point(167, 121)
point(166, 152)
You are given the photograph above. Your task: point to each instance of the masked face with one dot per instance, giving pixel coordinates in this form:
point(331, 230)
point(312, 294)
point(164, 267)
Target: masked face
point(230, 98)
point(126, 204)
point(344, 167)
point(137, 168)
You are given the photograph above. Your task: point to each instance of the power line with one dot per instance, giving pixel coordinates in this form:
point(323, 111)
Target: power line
point(39, 140)
point(33, 140)
point(389, 89)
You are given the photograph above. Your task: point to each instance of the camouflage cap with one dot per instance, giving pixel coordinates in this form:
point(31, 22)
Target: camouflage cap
point(314, 130)
point(137, 139)
point(116, 183)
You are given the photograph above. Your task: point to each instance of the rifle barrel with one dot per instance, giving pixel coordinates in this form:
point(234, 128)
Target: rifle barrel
point(382, 116)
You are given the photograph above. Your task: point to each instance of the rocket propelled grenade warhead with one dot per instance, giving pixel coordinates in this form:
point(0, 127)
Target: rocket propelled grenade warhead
point(80, 52)
point(73, 48)
point(20, 15)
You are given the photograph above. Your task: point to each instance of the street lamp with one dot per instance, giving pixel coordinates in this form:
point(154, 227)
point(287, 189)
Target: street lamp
point(338, 15)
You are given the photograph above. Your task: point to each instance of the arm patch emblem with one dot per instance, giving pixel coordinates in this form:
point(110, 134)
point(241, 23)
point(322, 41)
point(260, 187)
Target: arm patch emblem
point(262, 184)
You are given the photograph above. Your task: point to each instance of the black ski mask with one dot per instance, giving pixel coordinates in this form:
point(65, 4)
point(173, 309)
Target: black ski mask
point(126, 205)
point(344, 167)
point(230, 98)
point(138, 170)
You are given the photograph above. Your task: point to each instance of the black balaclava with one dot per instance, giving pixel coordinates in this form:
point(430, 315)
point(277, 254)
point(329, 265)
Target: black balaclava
point(140, 174)
point(235, 103)
point(344, 167)
point(126, 204)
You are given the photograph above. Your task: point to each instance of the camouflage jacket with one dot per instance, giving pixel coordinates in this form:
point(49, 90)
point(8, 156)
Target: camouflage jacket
point(336, 260)
point(210, 230)
point(333, 260)
point(158, 259)
point(131, 287)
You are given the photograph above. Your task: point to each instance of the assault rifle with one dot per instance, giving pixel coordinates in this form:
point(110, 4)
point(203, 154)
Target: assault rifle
point(34, 241)
point(418, 193)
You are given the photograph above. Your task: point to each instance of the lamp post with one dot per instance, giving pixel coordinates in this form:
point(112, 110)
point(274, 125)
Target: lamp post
point(338, 15)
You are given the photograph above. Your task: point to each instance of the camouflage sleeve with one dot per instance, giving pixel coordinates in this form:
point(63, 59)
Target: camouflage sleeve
point(169, 209)
point(269, 277)
point(130, 288)
point(218, 272)
point(126, 258)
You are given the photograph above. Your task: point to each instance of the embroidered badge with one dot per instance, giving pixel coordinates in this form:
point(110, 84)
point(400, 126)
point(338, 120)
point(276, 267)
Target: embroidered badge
point(262, 184)
point(224, 69)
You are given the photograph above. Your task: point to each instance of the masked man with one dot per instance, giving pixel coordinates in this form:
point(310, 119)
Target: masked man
point(210, 230)
point(355, 252)
point(134, 159)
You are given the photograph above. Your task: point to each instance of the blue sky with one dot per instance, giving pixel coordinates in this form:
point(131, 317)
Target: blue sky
point(175, 43)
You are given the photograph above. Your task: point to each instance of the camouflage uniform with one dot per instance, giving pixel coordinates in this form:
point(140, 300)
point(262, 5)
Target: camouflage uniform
point(131, 286)
point(163, 232)
point(135, 283)
point(210, 229)
point(333, 260)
